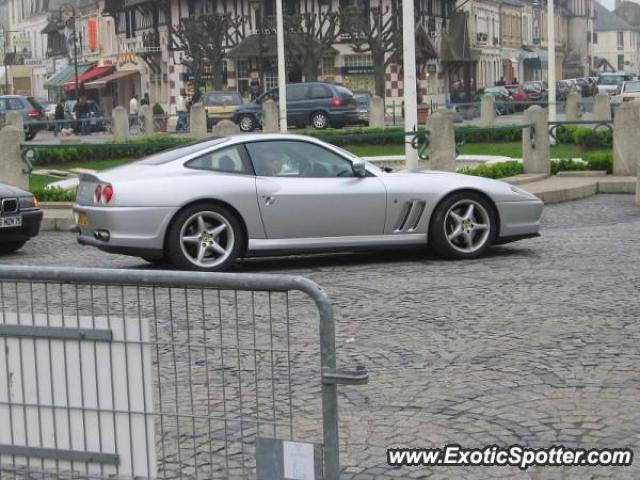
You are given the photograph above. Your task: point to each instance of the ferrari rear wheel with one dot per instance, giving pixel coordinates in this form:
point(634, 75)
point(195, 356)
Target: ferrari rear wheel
point(463, 226)
point(205, 237)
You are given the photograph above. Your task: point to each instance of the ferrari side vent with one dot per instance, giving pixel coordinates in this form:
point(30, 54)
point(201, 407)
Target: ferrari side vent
point(410, 216)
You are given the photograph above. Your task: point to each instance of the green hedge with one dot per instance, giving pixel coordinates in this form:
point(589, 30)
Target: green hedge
point(585, 137)
point(54, 194)
point(134, 148)
point(595, 161)
point(495, 170)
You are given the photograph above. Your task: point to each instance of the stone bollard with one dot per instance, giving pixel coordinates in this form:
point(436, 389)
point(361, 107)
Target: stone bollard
point(601, 107)
point(198, 121)
point(15, 119)
point(270, 123)
point(376, 112)
point(572, 109)
point(441, 151)
point(120, 124)
point(626, 141)
point(146, 115)
point(225, 128)
point(535, 156)
point(12, 167)
point(488, 110)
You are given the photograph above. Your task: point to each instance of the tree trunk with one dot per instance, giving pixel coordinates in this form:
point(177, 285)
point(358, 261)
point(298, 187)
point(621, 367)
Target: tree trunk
point(380, 73)
point(217, 72)
point(310, 68)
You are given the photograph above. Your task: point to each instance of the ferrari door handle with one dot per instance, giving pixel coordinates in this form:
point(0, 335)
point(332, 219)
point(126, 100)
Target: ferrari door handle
point(269, 200)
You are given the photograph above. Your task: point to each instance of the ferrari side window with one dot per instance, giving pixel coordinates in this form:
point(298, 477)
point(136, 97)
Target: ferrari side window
point(297, 159)
point(228, 160)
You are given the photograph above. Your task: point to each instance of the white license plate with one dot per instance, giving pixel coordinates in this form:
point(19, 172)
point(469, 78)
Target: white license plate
point(6, 222)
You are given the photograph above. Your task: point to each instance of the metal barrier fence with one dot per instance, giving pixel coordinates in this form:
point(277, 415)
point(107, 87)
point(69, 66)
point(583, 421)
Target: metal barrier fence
point(148, 374)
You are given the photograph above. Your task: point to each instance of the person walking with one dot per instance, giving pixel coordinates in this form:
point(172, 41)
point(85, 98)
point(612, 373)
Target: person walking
point(181, 110)
point(197, 96)
point(59, 117)
point(133, 110)
point(82, 113)
point(145, 100)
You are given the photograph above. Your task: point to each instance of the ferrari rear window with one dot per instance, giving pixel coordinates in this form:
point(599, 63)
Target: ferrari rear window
point(182, 151)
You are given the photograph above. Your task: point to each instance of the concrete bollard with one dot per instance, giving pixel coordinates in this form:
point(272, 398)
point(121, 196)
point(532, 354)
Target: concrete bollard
point(198, 121)
point(572, 109)
point(626, 141)
point(270, 123)
point(601, 107)
point(12, 167)
point(120, 124)
point(535, 156)
point(441, 151)
point(488, 110)
point(146, 115)
point(225, 128)
point(15, 119)
point(376, 112)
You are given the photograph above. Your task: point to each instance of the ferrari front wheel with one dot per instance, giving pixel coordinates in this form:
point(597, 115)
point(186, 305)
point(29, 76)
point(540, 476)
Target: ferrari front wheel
point(463, 226)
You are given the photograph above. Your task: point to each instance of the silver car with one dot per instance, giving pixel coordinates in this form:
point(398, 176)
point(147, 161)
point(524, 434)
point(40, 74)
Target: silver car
point(204, 205)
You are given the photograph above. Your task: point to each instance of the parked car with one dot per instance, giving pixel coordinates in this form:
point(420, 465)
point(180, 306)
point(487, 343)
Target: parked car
point(220, 106)
point(534, 92)
point(20, 218)
point(609, 82)
point(30, 110)
point(315, 103)
point(627, 92)
point(363, 97)
point(504, 101)
point(538, 84)
point(204, 205)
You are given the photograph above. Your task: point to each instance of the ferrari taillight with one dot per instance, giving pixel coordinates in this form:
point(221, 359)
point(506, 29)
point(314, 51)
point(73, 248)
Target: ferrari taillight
point(97, 195)
point(107, 194)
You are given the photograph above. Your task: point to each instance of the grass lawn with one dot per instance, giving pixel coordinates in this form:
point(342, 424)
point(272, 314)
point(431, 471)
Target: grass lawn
point(513, 149)
point(40, 181)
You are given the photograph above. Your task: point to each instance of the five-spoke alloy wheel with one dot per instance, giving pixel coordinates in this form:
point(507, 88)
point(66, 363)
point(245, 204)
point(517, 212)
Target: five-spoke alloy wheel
point(205, 237)
point(463, 226)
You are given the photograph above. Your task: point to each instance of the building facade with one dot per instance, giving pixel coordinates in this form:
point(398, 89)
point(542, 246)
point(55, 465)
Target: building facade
point(615, 43)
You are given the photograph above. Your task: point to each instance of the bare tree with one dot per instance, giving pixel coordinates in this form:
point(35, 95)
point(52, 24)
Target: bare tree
point(309, 37)
point(205, 39)
point(378, 32)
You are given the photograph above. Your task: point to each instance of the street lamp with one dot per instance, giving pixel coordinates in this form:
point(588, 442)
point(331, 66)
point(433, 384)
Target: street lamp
point(67, 7)
point(551, 49)
point(409, 85)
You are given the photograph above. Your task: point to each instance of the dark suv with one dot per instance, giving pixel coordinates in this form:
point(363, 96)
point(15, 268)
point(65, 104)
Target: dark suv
point(314, 103)
point(30, 110)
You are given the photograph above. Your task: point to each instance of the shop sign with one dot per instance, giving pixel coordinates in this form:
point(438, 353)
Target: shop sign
point(190, 77)
point(106, 62)
point(126, 58)
point(363, 70)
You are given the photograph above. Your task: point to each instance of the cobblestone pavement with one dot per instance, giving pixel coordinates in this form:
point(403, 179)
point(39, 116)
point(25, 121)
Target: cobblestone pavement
point(536, 344)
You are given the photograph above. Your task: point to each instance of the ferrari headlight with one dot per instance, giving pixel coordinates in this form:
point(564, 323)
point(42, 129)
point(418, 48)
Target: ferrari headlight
point(27, 202)
point(522, 192)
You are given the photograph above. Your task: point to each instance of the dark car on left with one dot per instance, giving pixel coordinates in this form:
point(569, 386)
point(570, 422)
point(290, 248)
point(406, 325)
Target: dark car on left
point(20, 217)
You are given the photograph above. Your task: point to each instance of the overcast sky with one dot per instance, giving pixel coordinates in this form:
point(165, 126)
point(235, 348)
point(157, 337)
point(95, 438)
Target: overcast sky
point(607, 3)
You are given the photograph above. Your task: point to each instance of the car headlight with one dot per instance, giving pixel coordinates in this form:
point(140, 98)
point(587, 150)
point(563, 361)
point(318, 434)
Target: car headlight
point(522, 192)
point(27, 202)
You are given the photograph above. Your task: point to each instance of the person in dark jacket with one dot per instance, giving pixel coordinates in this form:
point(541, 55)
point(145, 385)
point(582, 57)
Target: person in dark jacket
point(82, 113)
point(58, 117)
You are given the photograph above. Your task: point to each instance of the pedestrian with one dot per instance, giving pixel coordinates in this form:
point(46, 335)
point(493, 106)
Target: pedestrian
point(145, 100)
point(501, 82)
point(181, 110)
point(59, 117)
point(133, 110)
point(82, 113)
point(197, 96)
point(254, 87)
point(515, 80)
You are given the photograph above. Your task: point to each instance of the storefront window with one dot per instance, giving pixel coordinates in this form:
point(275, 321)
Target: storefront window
point(328, 67)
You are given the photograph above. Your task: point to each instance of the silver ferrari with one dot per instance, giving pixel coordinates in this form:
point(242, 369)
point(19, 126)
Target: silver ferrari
point(204, 205)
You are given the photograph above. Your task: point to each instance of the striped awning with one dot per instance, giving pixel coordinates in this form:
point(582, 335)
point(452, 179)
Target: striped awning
point(58, 79)
point(92, 74)
point(102, 82)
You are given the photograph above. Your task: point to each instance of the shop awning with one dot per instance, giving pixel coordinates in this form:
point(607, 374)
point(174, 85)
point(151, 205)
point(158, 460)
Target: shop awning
point(58, 79)
point(102, 82)
point(92, 74)
point(537, 58)
point(512, 54)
